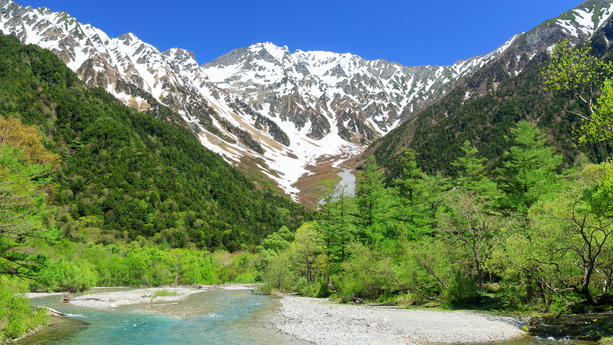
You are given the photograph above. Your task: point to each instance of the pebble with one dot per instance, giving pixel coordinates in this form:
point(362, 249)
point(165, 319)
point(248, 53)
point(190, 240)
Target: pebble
point(115, 299)
point(322, 322)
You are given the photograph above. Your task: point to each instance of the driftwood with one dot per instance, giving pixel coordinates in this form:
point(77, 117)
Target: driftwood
point(55, 313)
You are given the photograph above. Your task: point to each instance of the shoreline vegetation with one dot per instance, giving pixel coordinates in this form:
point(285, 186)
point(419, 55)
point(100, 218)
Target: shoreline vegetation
point(17, 319)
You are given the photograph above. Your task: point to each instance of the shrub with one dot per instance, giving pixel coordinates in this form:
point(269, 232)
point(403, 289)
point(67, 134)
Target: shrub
point(368, 273)
point(301, 285)
point(303, 288)
point(265, 289)
point(16, 317)
point(463, 289)
point(323, 291)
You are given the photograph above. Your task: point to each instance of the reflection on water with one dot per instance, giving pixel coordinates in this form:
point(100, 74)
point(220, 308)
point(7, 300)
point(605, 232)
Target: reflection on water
point(213, 317)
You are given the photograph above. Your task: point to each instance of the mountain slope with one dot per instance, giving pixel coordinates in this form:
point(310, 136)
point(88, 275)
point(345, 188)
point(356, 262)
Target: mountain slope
point(126, 174)
point(483, 107)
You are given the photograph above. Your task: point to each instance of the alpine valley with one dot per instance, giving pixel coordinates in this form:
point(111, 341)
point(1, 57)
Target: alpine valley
point(264, 108)
point(479, 188)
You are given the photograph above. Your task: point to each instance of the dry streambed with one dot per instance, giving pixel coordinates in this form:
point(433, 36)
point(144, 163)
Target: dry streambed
point(325, 323)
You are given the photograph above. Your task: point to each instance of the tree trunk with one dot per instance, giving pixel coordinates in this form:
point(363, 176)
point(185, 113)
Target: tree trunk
point(529, 289)
point(480, 272)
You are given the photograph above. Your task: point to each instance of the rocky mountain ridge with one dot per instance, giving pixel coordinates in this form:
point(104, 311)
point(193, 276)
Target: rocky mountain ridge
point(265, 107)
point(486, 105)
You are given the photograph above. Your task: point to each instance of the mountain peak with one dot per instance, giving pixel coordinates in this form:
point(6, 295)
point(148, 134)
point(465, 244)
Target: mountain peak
point(251, 101)
point(582, 21)
point(592, 3)
point(269, 45)
point(180, 56)
point(273, 50)
point(127, 38)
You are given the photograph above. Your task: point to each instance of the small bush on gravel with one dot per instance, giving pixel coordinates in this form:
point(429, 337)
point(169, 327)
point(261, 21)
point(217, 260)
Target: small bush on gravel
point(301, 286)
point(304, 288)
point(323, 291)
point(463, 289)
point(265, 289)
point(163, 293)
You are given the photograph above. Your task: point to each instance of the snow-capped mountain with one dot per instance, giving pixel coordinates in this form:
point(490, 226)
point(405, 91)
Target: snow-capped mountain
point(579, 25)
point(363, 99)
point(264, 106)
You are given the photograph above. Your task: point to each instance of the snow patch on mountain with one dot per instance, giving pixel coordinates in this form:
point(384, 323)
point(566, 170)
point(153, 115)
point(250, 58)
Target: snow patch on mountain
point(585, 20)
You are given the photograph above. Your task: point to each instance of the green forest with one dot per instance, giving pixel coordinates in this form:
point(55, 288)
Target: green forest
point(123, 174)
point(523, 239)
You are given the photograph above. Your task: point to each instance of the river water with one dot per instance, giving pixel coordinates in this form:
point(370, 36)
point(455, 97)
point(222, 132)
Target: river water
point(220, 317)
point(212, 317)
point(347, 183)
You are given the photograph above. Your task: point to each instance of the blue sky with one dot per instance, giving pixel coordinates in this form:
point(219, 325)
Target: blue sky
point(409, 32)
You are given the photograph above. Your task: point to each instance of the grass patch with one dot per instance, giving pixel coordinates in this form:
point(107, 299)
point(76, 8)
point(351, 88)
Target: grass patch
point(163, 293)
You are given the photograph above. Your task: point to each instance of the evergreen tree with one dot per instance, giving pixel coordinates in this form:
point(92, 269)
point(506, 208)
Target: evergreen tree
point(418, 197)
point(372, 201)
point(335, 225)
point(529, 170)
point(472, 175)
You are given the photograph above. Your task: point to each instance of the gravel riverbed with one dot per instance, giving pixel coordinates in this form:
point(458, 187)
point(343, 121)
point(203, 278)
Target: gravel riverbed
point(322, 322)
point(114, 299)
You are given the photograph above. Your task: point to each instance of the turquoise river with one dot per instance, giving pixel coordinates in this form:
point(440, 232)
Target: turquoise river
point(212, 317)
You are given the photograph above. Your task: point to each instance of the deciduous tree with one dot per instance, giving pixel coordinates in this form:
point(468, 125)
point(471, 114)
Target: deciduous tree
point(575, 70)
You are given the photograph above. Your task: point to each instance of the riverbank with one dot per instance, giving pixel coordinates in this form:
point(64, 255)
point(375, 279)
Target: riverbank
point(114, 299)
point(322, 322)
point(221, 315)
point(25, 335)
